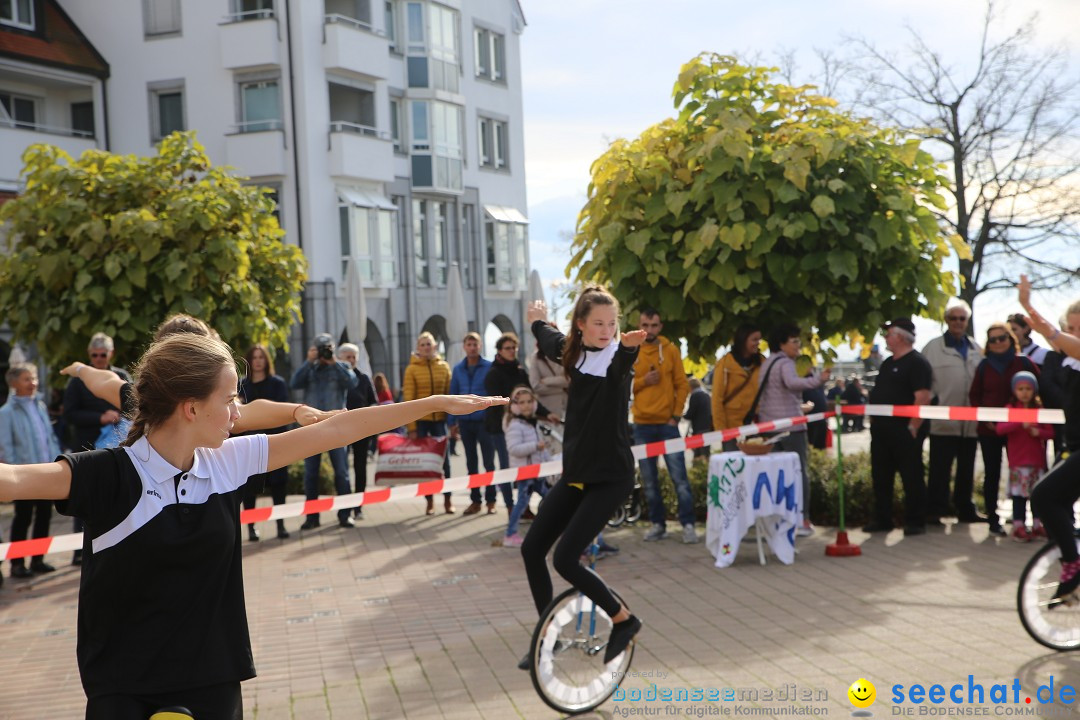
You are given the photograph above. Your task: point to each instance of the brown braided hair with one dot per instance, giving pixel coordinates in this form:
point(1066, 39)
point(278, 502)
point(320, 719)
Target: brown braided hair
point(590, 296)
point(179, 368)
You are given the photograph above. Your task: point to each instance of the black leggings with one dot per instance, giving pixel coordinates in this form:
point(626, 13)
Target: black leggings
point(216, 702)
point(1052, 501)
point(578, 516)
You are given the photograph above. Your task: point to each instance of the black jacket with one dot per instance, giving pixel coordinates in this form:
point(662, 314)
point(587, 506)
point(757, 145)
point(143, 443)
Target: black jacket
point(363, 395)
point(502, 378)
point(83, 411)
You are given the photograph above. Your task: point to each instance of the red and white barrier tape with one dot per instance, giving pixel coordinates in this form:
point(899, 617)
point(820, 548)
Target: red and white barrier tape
point(940, 412)
point(62, 543)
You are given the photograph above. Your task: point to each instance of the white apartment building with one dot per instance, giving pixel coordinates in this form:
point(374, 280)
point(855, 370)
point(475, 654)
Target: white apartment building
point(390, 131)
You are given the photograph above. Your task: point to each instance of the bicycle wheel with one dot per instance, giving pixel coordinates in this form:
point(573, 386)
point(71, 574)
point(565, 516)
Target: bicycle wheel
point(634, 506)
point(1053, 624)
point(618, 517)
point(567, 650)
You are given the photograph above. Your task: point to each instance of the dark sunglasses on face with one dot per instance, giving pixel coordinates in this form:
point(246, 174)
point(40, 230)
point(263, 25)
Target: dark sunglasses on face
point(957, 318)
point(997, 338)
point(99, 355)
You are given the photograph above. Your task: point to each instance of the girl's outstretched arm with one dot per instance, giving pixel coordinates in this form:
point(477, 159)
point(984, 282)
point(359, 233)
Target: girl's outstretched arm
point(102, 384)
point(265, 414)
point(1064, 342)
point(349, 427)
point(44, 481)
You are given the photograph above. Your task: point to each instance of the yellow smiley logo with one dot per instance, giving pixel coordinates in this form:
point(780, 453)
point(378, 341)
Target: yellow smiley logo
point(862, 693)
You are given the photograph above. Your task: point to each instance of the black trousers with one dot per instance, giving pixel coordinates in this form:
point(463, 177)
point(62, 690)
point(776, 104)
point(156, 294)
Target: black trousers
point(992, 447)
point(893, 450)
point(277, 479)
point(573, 517)
point(1052, 501)
point(25, 510)
point(944, 451)
point(360, 457)
point(216, 702)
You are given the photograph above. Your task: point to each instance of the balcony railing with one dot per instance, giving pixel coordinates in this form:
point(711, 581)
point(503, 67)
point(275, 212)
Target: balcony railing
point(336, 19)
point(263, 14)
point(358, 129)
point(250, 126)
point(51, 129)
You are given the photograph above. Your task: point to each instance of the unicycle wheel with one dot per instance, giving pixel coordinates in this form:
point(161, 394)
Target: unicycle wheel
point(1053, 624)
point(567, 651)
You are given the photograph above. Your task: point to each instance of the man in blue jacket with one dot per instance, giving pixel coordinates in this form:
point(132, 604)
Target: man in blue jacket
point(467, 378)
point(326, 383)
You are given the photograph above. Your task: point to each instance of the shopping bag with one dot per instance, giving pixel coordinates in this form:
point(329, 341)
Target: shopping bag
point(403, 461)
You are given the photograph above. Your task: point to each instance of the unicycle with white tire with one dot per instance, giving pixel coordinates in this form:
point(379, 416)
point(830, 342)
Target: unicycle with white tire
point(1053, 622)
point(567, 653)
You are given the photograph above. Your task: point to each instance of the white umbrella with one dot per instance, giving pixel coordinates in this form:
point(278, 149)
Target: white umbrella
point(457, 324)
point(356, 314)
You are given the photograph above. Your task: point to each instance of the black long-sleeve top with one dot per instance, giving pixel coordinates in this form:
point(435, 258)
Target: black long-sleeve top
point(596, 438)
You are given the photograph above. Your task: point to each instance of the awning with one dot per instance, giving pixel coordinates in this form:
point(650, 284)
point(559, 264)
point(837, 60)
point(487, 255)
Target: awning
point(362, 198)
point(506, 214)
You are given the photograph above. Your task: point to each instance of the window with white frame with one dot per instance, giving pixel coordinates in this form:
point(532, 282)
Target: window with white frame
point(493, 136)
point(420, 243)
point(490, 54)
point(505, 248)
point(17, 13)
point(161, 17)
point(18, 111)
point(390, 15)
point(166, 111)
point(368, 237)
point(436, 144)
point(434, 46)
point(82, 119)
point(260, 105)
point(442, 241)
point(465, 243)
point(397, 125)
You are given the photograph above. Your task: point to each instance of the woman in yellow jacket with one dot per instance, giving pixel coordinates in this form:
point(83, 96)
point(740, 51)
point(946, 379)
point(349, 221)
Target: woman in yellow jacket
point(427, 375)
point(735, 381)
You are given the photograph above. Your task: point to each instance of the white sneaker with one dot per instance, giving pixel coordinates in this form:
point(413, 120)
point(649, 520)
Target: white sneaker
point(689, 535)
point(804, 531)
point(655, 533)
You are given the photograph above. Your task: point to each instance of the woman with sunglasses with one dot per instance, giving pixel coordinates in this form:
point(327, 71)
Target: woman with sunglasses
point(992, 387)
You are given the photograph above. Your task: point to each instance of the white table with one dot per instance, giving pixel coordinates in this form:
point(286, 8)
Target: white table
point(762, 491)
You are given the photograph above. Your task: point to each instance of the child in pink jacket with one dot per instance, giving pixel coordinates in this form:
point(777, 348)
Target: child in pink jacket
point(1026, 445)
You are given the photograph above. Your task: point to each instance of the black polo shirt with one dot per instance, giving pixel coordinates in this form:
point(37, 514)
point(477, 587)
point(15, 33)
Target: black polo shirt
point(161, 598)
point(897, 382)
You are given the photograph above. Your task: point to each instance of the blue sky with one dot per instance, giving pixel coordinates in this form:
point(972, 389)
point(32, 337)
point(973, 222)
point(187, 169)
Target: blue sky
point(596, 70)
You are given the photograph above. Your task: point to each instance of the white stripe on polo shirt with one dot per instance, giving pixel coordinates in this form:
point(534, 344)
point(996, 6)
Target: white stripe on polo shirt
point(214, 472)
point(597, 362)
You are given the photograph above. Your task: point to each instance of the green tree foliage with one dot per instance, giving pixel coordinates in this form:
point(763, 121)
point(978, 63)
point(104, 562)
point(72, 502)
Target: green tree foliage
point(115, 244)
point(763, 202)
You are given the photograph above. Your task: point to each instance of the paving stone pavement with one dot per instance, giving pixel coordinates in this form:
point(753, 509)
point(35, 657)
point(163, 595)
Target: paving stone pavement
point(408, 616)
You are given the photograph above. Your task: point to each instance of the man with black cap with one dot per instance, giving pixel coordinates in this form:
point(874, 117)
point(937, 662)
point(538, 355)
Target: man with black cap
point(895, 443)
point(326, 383)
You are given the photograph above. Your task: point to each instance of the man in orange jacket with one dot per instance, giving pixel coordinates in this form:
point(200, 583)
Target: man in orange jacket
point(660, 390)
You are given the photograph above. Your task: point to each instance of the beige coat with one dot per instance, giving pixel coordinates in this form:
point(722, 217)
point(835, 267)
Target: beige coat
point(952, 383)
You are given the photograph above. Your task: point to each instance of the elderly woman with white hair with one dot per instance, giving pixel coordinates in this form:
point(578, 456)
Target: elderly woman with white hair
point(954, 357)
